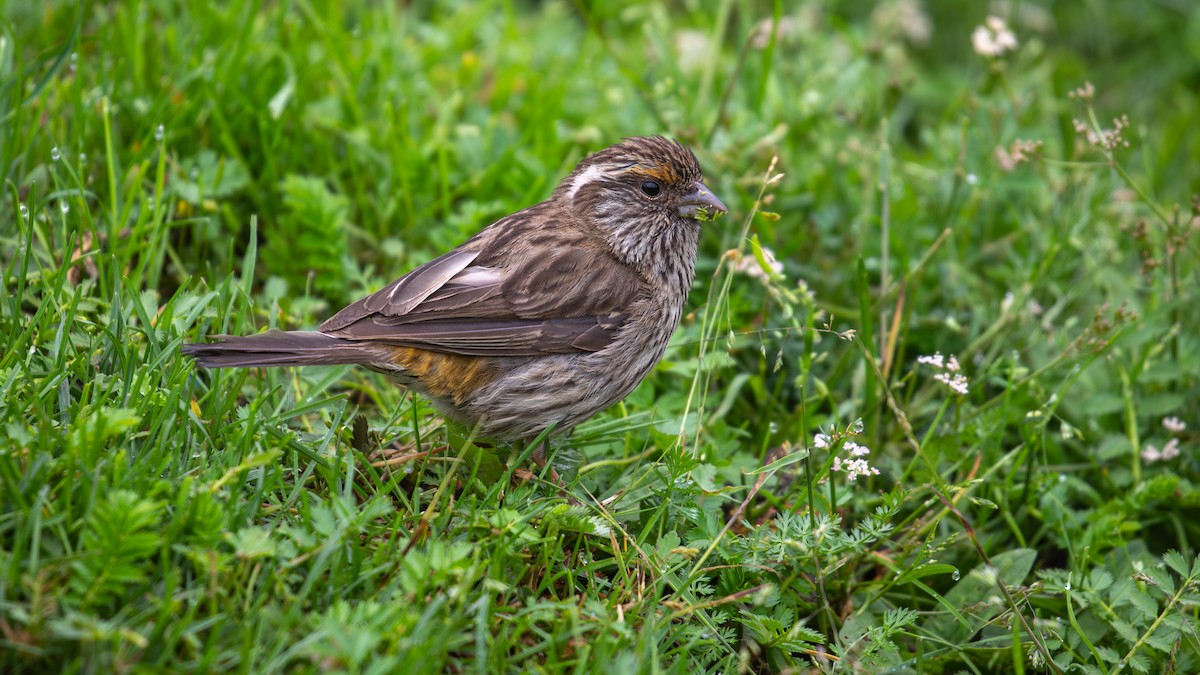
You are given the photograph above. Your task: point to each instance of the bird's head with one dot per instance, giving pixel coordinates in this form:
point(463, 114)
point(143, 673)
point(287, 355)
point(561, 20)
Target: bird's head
point(644, 194)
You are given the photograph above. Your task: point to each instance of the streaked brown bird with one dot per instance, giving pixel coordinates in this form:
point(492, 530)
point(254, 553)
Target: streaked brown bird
point(545, 317)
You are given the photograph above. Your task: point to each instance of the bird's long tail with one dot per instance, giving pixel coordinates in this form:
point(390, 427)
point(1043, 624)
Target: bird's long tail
point(276, 348)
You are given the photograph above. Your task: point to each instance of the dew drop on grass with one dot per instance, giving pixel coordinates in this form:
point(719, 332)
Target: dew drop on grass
point(24, 211)
point(856, 427)
point(1067, 586)
point(972, 179)
point(160, 132)
point(66, 207)
point(54, 154)
point(955, 575)
point(82, 158)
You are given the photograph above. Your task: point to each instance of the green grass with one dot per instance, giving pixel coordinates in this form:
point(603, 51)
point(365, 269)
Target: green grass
point(173, 170)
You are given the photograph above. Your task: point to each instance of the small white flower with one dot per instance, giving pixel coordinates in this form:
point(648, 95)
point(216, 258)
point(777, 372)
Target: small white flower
point(937, 361)
point(1174, 425)
point(951, 374)
point(1150, 454)
point(1004, 36)
point(982, 41)
point(858, 467)
point(1171, 449)
point(821, 441)
point(856, 449)
point(994, 38)
point(957, 383)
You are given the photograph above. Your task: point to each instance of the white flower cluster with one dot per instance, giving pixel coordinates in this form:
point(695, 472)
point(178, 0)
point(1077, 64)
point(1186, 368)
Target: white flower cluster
point(951, 373)
point(993, 38)
point(1108, 139)
point(938, 361)
point(1151, 453)
point(856, 465)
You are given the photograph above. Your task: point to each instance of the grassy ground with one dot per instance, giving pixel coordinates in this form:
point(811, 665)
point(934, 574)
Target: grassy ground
point(173, 169)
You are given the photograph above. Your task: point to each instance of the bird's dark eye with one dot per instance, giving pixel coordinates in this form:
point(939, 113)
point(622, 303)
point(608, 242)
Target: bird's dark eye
point(651, 188)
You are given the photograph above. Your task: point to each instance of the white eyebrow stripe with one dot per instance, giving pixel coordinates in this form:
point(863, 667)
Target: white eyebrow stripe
point(589, 174)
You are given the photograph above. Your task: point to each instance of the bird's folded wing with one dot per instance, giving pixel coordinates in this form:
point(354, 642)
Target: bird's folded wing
point(402, 295)
point(493, 337)
point(562, 302)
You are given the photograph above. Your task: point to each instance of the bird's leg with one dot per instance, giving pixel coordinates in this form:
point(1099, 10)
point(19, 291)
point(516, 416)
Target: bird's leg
point(542, 459)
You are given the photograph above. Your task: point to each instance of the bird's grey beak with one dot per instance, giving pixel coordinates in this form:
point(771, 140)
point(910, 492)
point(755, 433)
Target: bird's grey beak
point(700, 203)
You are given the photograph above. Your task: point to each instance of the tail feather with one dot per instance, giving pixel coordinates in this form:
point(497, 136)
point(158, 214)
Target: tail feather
point(275, 348)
